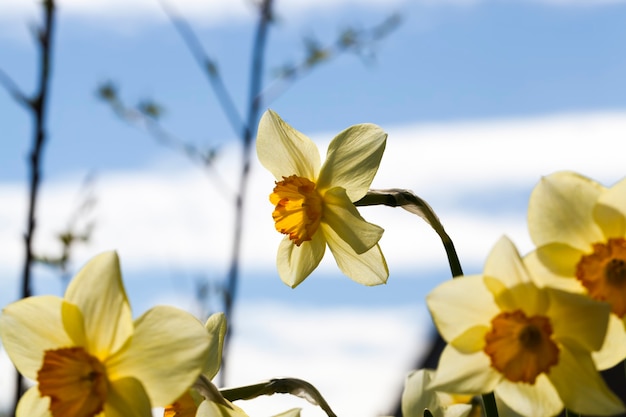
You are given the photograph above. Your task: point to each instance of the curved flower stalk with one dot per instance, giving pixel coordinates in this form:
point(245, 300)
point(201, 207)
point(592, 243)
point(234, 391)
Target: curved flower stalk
point(579, 228)
point(417, 397)
point(314, 206)
point(204, 399)
point(531, 346)
point(87, 356)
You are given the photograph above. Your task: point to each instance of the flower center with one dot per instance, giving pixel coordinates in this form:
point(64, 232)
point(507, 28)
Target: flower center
point(184, 406)
point(75, 381)
point(521, 347)
point(298, 208)
point(603, 274)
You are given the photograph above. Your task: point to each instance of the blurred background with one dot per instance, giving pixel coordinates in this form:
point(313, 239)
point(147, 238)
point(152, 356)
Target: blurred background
point(149, 105)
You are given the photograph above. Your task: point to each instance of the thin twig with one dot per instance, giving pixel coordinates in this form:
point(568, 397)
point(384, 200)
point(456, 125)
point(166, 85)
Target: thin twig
point(38, 106)
point(207, 64)
point(13, 89)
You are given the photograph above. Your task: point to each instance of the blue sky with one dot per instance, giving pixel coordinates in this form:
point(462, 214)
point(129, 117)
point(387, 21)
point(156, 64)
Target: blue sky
point(480, 98)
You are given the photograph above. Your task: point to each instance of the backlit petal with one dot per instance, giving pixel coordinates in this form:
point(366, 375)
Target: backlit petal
point(610, 212)
point(98, 292)
point(538, 399)
point(29, 327)
point(369, 268)
point(167, 352)
point(127, 398)
point(459, 373)
point(580, 386)
point(343, 217)
point(612, 351)
point(561, 210)
point(33, 405)
point(284, 151)
point(295, 263)
point(211, 409)
point(505, 264)
point(459, 304)
point(578, 318)
point(216, 326)
point(352, 160)
point(416, 397)
point(554, 265)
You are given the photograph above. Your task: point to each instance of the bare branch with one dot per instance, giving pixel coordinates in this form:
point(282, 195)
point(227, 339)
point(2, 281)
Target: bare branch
point(208, 65)
point(13, 89)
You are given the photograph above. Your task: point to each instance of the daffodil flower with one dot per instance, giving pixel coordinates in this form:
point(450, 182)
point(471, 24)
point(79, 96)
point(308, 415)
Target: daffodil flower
point(204, 399)
point(314, 206)
point(416, 397)
point(579, 228)
point(87, 356)
point(529, 345)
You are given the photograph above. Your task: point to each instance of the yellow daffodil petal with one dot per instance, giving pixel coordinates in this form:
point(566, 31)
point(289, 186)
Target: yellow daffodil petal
point(538, 399)
point(578, 318)
point(283, 150)
point(554, 264)
point(33, 405)
point(471, 340)
point(295, 263)
point(352, 160)
point(581, 387)
point(610, 211)
point(216, 327)
point(612, 351)
point(526, 297)
point(294, 412)
point(127, 398)
point(29, 327)
point(505, 264)
point(98, 292)
point(561, 209)
point(368, 268)
point(460, 304)
point(343, 217)
point(167, 352)
point(416, 397)
point(460, 373)
point(211, 409)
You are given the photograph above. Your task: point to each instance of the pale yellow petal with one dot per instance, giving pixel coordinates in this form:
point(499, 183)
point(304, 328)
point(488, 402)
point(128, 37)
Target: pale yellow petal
point(527, 297)
point(127, 398)
point(459, 373)
point(167, 352)
point(295, 263)
point(352, 160)
point(294, 412)
point(538, 399)
point(610, 212)
point(581, 387)
point(416, 397)
point(98, 292)
point(612, 351)
point(369, 268)
point(458, 410)
point(471, 340)
point(216, 326)
point(211, 409)
point(578, 318)
point(554, 265)
point(32, 404)
point(29, 327)
point(505, 264)
point(343, 217)
point(284, 151)
point(561, 210)
point(460, 304)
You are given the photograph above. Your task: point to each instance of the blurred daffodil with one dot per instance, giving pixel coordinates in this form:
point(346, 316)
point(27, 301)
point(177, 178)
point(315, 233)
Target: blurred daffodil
point(314, 205)
point(530, 345)
point(579, 228)
point(204, 399)
point(87, 356)
point(417, 397)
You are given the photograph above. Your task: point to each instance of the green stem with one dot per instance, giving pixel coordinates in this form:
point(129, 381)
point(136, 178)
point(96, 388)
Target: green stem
point(489, 402)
